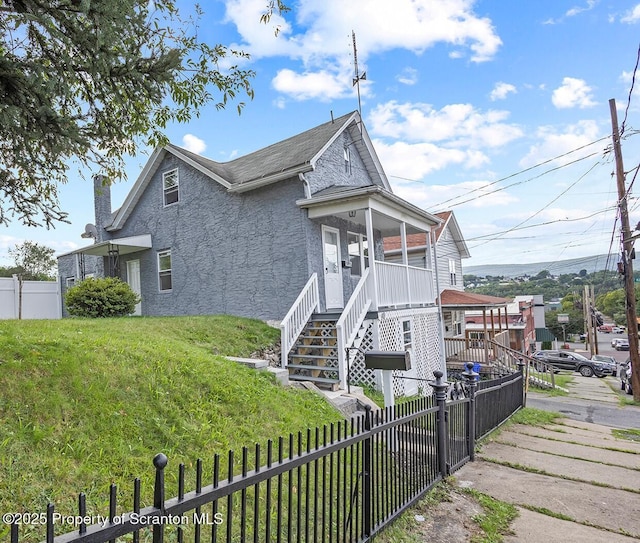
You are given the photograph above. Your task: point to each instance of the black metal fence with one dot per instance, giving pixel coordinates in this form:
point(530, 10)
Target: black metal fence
point(339, 483)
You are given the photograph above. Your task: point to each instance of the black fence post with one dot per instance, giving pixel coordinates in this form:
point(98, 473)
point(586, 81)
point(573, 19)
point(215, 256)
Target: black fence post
point(366, 473)
point(521, 366)
point(160, 462)
point(440, 386)
point(472, 383)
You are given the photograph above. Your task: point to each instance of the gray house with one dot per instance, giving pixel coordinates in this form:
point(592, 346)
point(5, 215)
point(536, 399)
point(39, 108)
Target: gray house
point(293, 233)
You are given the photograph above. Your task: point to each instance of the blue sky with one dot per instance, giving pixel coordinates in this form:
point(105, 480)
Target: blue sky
point(496, 110)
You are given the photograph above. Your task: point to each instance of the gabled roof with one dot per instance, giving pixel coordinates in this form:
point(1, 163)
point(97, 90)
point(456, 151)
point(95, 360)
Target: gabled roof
point(449, 220)
point(283, 160)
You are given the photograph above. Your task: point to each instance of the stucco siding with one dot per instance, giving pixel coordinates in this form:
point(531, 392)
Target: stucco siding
point(330, 167)
point(239, 254)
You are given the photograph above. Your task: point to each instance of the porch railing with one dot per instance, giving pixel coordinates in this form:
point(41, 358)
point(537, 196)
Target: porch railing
point(496, 358)
point(297, 317)
point(351, 319)
point(399, 285)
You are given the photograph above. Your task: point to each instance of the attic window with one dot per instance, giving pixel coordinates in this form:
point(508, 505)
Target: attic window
point(170, 187)
point(347, 161)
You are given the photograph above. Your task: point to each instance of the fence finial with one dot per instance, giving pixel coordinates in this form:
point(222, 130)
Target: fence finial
point(159, 461)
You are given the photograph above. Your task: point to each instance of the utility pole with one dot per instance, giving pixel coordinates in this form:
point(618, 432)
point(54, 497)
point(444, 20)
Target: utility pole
point(627, 260)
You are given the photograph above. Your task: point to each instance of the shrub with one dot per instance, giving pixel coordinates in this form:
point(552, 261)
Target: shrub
point(101, 297)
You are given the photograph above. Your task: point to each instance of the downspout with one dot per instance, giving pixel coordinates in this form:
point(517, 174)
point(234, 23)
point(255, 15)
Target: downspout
point(443, 354)
point(307, 187)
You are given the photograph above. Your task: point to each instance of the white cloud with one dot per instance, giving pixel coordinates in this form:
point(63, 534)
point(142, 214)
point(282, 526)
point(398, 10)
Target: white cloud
point(627, 77)
point(193, 144)
point(553, 143)
point(408, 76)
point(632, 16)
point(460, 125)
point(320, 85)
point(576, 10)
point(318, 33)
point(416, 160)
point(501, 90)
point(573, 93)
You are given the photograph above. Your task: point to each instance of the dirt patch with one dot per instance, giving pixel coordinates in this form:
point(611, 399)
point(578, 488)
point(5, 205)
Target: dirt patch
point(444, 518)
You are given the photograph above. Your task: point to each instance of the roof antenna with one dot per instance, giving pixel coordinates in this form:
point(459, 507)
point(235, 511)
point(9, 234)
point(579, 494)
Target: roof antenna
point(357, 76)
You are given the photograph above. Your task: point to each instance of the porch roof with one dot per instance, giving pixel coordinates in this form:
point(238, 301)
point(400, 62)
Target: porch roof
point(459, 299)
point(124, 246)
point(351, 203)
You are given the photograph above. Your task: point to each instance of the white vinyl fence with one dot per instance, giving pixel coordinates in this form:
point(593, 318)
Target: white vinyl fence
point(40, 299)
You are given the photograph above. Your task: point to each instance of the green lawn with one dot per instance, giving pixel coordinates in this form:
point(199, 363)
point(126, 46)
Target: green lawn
point(84, 403)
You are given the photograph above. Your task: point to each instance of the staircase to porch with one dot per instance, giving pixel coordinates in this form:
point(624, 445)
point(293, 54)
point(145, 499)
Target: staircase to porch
point(315, 345)
point(314, 356)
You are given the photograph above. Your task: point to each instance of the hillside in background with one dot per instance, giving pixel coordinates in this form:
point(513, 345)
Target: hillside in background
point(557, 267)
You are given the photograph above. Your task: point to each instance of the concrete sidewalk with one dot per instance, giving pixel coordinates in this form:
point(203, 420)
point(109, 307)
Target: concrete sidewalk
point(572, 481)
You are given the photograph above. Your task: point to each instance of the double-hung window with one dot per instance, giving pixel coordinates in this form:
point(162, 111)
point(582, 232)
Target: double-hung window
point(170, 187)
point(407, 340)
point(358, 252)
point(347, 161)
point(164, 270)
point(452, 272)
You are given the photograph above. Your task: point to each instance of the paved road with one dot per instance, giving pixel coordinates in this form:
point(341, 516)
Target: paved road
point(591, 399)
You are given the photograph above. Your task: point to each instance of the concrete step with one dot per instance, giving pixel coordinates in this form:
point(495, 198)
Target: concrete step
point(311, 367)
point(325, 382)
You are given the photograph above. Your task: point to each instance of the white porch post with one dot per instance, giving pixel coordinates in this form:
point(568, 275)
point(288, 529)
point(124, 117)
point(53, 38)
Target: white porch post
point(372, 258)
point(443, 353)
point(405, 258)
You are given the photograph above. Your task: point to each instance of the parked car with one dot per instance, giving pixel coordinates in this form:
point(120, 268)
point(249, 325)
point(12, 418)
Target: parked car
point(605, 328)
point(568, 360)
point(625, 376)
point(617, 330)
point(609, 360)
point(615, 340)
point(622, 345)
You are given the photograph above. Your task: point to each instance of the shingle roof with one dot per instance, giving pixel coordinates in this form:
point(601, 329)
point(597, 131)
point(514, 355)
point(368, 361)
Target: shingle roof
point(284, 155)
point(450, 297)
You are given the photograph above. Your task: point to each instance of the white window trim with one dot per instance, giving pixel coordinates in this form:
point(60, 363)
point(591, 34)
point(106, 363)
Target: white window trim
point(361, 240)
point(347, 161)
point(164, 189)
point(161, 254)
point(70, 281)
point(453, 276)
point(406, 345)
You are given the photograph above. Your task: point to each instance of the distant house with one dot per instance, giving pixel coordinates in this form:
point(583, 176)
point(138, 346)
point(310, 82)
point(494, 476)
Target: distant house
point(292, 233)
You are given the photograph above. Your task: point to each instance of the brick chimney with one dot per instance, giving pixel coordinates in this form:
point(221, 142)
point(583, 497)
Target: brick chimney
point(102, 206)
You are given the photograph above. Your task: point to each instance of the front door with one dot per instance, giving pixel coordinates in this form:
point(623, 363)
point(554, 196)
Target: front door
point(133, 279)
point(332, 268)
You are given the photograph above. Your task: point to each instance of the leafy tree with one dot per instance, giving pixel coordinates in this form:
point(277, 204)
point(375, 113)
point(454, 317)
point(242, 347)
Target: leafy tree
point(93, 80)
point(101, 297)
point(34, 262)
point(574, 326)
point(9, 271)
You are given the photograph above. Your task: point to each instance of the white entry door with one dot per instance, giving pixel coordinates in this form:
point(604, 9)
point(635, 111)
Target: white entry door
point(332, 268)
point(133, 279)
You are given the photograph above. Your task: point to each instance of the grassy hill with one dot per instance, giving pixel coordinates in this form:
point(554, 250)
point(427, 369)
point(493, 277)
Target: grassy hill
point(84, 403)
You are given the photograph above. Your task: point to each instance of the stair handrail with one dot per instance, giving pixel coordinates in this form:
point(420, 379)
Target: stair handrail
point(351, 320)
point(297, 317)
point(535, 369)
